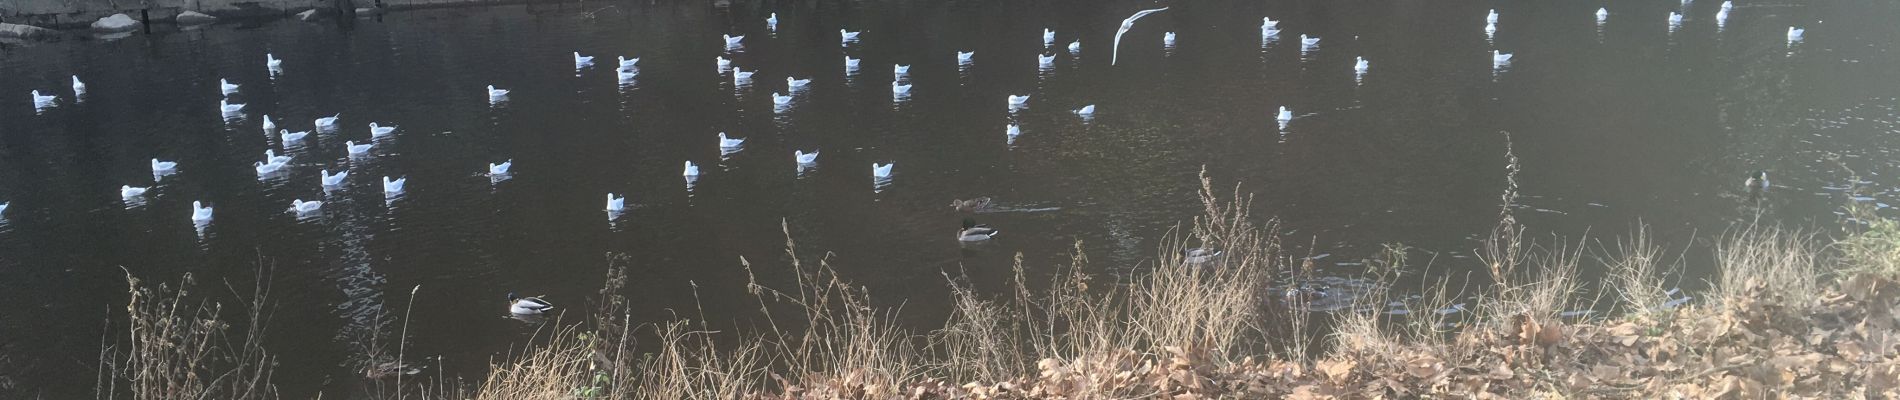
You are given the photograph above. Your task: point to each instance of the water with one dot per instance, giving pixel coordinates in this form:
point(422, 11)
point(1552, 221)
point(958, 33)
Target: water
point(1625, 122)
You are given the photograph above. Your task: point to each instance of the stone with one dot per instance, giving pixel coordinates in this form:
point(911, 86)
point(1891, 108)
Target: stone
point(28, 32)
point(195, 18)
point(309, 15)
point(115, 23)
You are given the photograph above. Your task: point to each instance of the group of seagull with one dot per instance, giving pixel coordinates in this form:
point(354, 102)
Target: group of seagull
point(627, 69)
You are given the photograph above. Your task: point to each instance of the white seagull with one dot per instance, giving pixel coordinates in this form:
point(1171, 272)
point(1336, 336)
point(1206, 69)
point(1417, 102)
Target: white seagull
point(740, 76)
point(1085, 111)
point(1359, 67)
point(334, 180)
point(228, 108)
point(781, 99)
point(616, 204)
point(79, 88)
point(292, 137)
point(1167, 39)
point(733, 41)
point(1018, 101)
point(495, 93)
point(793, 84)
point(379, 130)
point(267, 168)
point(692, 172)
point(1012, 132)
point(129, 192)
point(1491, 18)
point(1048, 37)
point(392, 187)
point(199, 213)
point(628, 64)
point(1269, 27)
point(269, 125)
point(1075, 46)
point(1500, 59)
point(328, 122)
point(299, 206)
point(1603, 14)
point(1045, 60)
point(730, 143)
point(163, 167)
point(804, 158)
point(772, 22)
point(270, 156)
point(1130, 24)
point(581, 61)
point(899, 88)
point(500, 169)
point(724, 63)
point(226, 87)
point(881, 171)
point(1794, 34)
point(848, 36)
point(851, 64)
point(900, 69)
point(1285, 115)
point(357, 149)
point(963, 57)
point(271, 60)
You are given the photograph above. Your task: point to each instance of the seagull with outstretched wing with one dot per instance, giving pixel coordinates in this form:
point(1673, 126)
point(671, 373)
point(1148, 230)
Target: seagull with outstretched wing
point(1126, 25)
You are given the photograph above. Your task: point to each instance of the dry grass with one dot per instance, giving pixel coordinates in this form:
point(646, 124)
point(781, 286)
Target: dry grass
point(1775, 323)
point(178, 348)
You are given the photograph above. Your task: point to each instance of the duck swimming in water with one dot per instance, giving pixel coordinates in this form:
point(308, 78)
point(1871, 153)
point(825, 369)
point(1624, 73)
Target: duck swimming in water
point(518, 305)
point(974, 232)
point(971, 205)
point(1757, 181)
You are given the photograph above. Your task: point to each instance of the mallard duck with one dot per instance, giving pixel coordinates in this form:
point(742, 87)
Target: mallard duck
point(1757, 181)
point(1199, 255)
point(971, 205)
point(974, 232)
point(527, 305)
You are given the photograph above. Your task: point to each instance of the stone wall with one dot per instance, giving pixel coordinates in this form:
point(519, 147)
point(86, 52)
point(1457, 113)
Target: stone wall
point(79, 13)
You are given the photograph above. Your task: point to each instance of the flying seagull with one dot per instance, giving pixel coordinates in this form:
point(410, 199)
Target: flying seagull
point(1126, 25)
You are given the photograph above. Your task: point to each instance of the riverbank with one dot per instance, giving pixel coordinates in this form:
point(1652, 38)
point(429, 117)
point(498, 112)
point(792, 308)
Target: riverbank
point(1787, 314)
point(21, 15)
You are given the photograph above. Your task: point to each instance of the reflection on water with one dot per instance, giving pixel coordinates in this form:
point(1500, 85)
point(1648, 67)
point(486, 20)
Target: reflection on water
point(1616, 121)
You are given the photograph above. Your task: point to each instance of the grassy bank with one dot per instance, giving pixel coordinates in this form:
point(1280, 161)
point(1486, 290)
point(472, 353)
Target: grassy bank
point(1787, 314)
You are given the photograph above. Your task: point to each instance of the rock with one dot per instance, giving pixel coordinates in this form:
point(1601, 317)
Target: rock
point(28, 32)
point(195, 18)
point(115, 23)
point(309, 15)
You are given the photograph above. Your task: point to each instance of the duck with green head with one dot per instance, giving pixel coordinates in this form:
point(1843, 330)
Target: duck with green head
point(518, 305)
point(1757, 181)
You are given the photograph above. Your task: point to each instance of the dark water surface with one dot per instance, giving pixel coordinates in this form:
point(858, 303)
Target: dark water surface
point(1615, 124)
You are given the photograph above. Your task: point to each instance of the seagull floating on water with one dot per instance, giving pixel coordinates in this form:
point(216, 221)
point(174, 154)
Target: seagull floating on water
point(226, 87)
point(963, 57)
point(267, 168)
point(1286, 115)
point(581, 61)
point(740, 76)
point(1359, 67)
point(1490, 29)
point(1721, 17)
point(292, 137)
point(328, 122)
point(781, 99)
point(129, 192)
point(500, 169)
point(1012, 132)
point(772, 22)
point(229, 108)
point(900, 69)
point(1269, 27)
point(1018, 101)
point(163, 167)
point(724, 63)
point(733, 41)
point(691, 173)
point(1075, 46)
point(730, 143)
point(1045, 59)
point(616, 204)
point(1794, 34)
point(881, 171)
point(848, 36)
point(898, 88)
point(851, 64)
point(1167, 39)
point(1307, 43)
point(628, 64)
point(378, 130)
point(392, 187)
point(1491, 18)
point(792, 84)
point(42, 101)
point(199, 213)
point(357, 149)
point(494, 93)
point(804, 158)
point(334, 180)
point(79, 88)
point(269, 125)
point(270, 156)
point(305, 207)
point(1085, 111)
point(1603, 14)
point(1500, 59)
point(1127, 24)
point(1048, 37)
point(1675, 18)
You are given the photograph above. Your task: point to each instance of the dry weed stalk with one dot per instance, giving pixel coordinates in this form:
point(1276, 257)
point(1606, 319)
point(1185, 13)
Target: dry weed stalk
point(178, 348)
